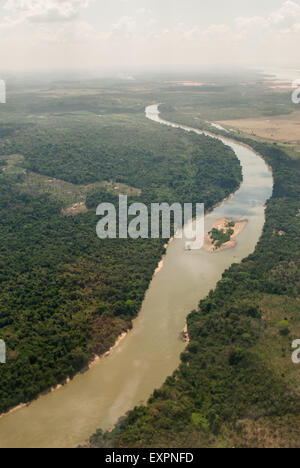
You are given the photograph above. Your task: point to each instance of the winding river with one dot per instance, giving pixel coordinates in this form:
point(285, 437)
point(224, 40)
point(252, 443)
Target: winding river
point(150, 352)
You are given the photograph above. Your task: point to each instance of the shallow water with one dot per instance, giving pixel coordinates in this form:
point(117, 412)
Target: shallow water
point(150, 352)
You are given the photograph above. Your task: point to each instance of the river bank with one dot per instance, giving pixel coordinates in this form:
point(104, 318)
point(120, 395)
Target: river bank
point(57, 387)
point(93, 361)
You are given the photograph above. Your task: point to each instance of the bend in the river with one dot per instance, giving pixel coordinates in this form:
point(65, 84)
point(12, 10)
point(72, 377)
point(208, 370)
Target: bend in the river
point(151, 351)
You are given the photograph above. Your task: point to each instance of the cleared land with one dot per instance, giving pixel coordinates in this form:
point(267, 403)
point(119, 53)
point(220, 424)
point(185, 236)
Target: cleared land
point(284, 129)
point(73, 196)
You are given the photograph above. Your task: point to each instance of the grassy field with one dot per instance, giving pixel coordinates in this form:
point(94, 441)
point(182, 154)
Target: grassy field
point(283, 129)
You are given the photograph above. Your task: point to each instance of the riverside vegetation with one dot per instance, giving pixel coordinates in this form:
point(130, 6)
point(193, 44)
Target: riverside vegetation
point(236, 384)
point(64, 295)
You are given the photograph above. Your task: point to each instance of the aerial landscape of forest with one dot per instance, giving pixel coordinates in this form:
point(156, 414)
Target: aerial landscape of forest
point(87, 286)
point(124, 343)
point(84, 312)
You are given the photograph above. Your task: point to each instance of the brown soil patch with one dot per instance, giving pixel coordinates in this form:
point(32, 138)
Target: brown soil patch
point(75, 209)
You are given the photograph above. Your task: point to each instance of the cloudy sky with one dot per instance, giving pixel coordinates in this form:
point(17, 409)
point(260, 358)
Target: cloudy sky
point(53, 34)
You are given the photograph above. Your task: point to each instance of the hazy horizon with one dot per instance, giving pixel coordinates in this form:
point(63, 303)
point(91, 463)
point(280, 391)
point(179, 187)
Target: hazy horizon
point(97, 35)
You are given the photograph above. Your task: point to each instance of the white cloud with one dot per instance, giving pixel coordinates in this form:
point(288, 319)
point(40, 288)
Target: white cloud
point(124, 27)
point(42, 30)
point(287, 16)
point(284, 19)
point(44, 10)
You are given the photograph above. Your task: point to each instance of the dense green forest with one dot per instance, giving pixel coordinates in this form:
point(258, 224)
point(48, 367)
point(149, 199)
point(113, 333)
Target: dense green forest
point(64, 295)
point(236, 385)
point(126, 150)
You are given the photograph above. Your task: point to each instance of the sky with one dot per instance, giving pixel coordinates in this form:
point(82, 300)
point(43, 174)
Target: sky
point(98, 34)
